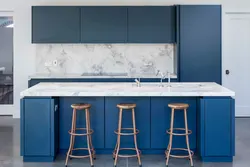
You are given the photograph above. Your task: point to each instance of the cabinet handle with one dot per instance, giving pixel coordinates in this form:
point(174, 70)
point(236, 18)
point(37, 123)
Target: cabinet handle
point(56, 108)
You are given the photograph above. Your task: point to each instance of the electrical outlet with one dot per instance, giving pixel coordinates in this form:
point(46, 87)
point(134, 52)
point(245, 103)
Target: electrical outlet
point(55, 63)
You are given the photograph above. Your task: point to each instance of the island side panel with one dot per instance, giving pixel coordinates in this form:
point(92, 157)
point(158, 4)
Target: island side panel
point(38, 134)
point(217, 133)
point(160, 122)
point(96, 121)
point(142, 114)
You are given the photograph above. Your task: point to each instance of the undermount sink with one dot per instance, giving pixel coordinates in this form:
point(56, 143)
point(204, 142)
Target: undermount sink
point(172, 85)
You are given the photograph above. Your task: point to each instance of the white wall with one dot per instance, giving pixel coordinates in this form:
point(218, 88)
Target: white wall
point(24, 51)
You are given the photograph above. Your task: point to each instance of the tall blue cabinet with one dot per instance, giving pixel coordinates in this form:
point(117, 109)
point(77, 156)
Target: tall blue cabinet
point(199, 43)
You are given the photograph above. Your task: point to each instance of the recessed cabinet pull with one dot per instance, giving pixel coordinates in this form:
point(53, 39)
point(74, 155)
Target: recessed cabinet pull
point(56, 107)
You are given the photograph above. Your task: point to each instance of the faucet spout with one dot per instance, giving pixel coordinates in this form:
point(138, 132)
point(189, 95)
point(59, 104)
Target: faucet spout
point(138, 82)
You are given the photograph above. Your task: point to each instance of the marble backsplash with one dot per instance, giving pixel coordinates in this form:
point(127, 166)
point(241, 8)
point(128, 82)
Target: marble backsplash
point(131, 60)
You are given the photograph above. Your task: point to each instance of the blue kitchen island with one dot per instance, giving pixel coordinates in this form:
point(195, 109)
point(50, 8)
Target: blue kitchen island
point(46, 118)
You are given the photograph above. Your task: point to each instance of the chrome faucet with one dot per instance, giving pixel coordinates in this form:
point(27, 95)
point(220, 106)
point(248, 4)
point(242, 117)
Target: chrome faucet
point(163, 76)
point(138, 82)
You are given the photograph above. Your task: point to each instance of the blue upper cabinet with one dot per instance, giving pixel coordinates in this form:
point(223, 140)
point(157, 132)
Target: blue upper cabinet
point(103, 24)
point(199, 43)
point(151, 24)
point(55, 24)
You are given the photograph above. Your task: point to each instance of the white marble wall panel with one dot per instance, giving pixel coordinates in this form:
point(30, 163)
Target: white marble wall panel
point(130, 60)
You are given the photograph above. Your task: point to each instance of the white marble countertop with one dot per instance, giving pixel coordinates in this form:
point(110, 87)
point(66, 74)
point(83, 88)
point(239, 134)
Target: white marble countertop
point(86, 76)
point(126, 89)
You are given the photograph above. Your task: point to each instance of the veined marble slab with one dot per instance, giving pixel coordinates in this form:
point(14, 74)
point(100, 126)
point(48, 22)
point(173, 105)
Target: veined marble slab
point(101, 59)
point(126, 89)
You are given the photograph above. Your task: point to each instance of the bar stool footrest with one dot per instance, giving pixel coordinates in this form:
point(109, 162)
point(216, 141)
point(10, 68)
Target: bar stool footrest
point(179, 156)
point(126, 155)
point(82, 156)
point(126, 133)
point(179, 134)
point(81, 134)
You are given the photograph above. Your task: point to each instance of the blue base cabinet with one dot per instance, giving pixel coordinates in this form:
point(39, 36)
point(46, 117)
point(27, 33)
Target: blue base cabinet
point(160, 122)
point(45, 122)
point(39, 129)
point(216, 129)
point(142, 114)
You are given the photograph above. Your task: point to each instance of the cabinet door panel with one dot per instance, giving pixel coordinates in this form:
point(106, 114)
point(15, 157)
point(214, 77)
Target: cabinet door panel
point(96, 121)
point(199, 43)
point(151, 24)
point(161, 118)
point(142, 114)
point(218, 127)
point(37, 127)
point(55, 24)
point(103, 24)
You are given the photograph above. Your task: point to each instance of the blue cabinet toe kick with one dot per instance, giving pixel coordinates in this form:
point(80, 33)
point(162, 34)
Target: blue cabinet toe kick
point(217, 159)
point(45, 122)
point(38, 158)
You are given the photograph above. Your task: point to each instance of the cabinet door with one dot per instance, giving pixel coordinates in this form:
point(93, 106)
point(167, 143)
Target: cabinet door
point(151, 24)
point(55, 24)
point(199, 43)
point(161, 118)
point(217, 127)
point(36, 127)
point(96, 121)
point(142, 114)
point(103, 24)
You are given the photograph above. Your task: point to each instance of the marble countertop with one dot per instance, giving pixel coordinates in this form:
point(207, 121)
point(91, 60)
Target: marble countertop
point(126, 89)
point(88, 75)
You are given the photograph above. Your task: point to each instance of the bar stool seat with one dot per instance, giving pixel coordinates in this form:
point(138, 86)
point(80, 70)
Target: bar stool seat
point(126, 106)
point(181, 132)
point(178, 106)
point(80, 106)
point(86, 131)
point(126, 132)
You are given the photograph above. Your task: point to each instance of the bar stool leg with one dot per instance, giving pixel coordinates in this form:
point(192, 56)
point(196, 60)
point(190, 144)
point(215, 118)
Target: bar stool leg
point(118, 137)
point(91, 145)
point(187, 139)
point(135, 139)
point(74, 131)
point(71, 137)
point(88, 136)
point(170, 136)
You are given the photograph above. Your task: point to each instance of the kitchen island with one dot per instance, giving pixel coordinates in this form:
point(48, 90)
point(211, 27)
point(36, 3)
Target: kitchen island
point(46, 117)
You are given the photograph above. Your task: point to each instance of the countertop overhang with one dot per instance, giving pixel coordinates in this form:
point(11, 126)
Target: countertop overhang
point(56, 89)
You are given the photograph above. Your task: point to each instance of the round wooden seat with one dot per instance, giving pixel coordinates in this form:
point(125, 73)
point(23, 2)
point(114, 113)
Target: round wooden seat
point(178, 106)
point(81, 106)
point(126, 106)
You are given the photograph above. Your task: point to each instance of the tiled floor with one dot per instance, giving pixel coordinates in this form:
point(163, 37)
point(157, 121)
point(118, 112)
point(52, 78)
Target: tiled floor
point(10, 157)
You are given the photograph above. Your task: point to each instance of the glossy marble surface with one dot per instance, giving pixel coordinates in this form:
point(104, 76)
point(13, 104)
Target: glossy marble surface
point(126, 89)
point(131, 60)
point(10, 151)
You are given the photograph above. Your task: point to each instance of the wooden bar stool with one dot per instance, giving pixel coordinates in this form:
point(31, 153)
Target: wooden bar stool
point(85, 132)
point(120, 133)
point(179, 106)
